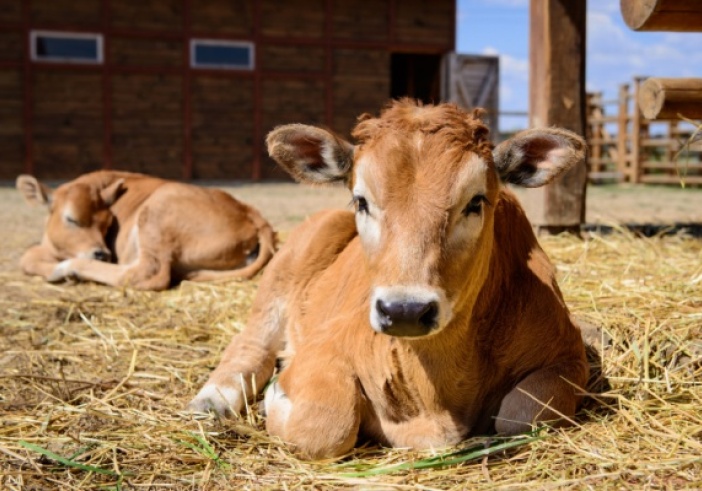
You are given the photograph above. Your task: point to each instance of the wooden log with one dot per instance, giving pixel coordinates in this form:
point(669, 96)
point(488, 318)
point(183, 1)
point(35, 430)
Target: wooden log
point(669, 98)
point(662, 15)
point(557, 98)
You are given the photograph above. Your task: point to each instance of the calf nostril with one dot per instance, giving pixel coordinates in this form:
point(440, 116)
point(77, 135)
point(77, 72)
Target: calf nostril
point(428, 317)
point(417, 313)
point(101, 255)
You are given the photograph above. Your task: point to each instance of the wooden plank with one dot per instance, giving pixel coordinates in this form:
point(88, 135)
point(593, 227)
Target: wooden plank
point(682, 165)
point(66, 123)
point(289, 101)
point(425, 21)
point(635, 138)
point(667, 179)
point(84, 13)
point(662, 15)
point(11, 45)
point(622, 129)
point(557, 97)
point(360, 20)
point(222, 17)
point(293, 58)
point(146, 14)
point(293, 18)
point(11, 129)
point(146, 52)
point(222, 128)
point(670, 98)
point(11, 12)
point(147, 124)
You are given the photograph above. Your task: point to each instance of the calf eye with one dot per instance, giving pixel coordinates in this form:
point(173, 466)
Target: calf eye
point(361, 204)
point(71, 220)
point(475, 206)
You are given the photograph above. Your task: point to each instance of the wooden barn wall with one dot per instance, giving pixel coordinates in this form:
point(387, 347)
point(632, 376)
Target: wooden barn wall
point(146, 52)
point(145, 109)
point(67, 112)
point(286, 101)
point(11, 128)
point(78, 13)
point(146, 14)
point(147, 124)
point(222, 142)
point(223, 17)
point(293, 18)
point(419, 21)
point(361, 19)
point(361, 84)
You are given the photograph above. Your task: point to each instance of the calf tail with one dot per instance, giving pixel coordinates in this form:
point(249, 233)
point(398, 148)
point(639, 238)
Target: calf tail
point(267, 244)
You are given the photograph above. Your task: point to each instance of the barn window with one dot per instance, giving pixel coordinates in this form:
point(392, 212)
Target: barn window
point(228, 55)
point(66, 47)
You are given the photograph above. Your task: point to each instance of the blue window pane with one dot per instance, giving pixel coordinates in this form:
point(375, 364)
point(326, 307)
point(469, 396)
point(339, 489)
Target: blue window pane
point(67, 48)
point(221, 55)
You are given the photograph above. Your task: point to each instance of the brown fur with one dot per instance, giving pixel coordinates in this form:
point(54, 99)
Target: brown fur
point(158, 232)
point(502, 353)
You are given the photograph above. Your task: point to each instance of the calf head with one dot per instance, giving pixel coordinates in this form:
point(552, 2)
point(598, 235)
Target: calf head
point(425, 183)
point(79, 216)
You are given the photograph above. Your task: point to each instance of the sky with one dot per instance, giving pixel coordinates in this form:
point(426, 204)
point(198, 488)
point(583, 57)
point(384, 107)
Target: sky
point(615, 53)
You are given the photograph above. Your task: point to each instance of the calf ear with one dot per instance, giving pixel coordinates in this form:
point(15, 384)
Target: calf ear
point(34, 192)
point(110, 194)
point(535, 157)
point(310, 154)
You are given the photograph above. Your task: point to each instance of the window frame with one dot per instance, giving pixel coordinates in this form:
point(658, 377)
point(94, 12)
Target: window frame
point(35, 34)
point(195, 42)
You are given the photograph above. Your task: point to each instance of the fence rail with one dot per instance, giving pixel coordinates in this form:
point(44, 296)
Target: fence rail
point(626, 147)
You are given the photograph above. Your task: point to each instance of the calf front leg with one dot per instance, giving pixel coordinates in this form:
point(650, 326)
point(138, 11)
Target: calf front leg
point(37, 260)
point(546, 395)
point(148, 273)
point(320, 413)
point(247, 364)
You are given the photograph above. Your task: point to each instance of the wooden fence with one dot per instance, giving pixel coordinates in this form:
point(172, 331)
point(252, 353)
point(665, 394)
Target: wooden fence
point(626, 147)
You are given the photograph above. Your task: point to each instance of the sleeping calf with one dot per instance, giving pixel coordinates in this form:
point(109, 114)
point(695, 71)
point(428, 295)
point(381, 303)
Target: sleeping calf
point(120, 228)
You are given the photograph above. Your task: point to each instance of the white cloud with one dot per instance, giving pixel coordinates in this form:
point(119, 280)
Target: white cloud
point(510, 66)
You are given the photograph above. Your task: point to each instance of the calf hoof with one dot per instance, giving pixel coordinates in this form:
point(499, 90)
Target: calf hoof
point(61, 272)
point(225, 402)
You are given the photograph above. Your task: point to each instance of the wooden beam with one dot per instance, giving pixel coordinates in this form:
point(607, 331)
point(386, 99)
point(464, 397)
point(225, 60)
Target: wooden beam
point(670, 98)
point(662, 15)
point(557, 98)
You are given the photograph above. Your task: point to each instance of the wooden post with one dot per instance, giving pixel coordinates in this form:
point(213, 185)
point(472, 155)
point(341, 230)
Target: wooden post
point(668, 98)
point(622, 130)
point(636, 160)
point(557, 97)
point(662, 15)
point(596, 136)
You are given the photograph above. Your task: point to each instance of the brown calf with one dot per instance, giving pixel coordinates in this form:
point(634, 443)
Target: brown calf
point(429, 314)
point(157, 232)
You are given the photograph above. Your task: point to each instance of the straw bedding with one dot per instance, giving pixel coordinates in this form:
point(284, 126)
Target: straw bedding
point(93, 382)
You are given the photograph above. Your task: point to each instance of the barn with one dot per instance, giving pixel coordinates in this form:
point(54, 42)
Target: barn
point(188, 89)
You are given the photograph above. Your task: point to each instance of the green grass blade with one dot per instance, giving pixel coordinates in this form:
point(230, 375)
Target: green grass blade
point(204, 449)
point(465, 455)
point(67, 462)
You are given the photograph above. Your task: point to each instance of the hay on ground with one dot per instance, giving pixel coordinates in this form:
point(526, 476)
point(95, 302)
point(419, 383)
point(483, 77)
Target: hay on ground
point(93, 382)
